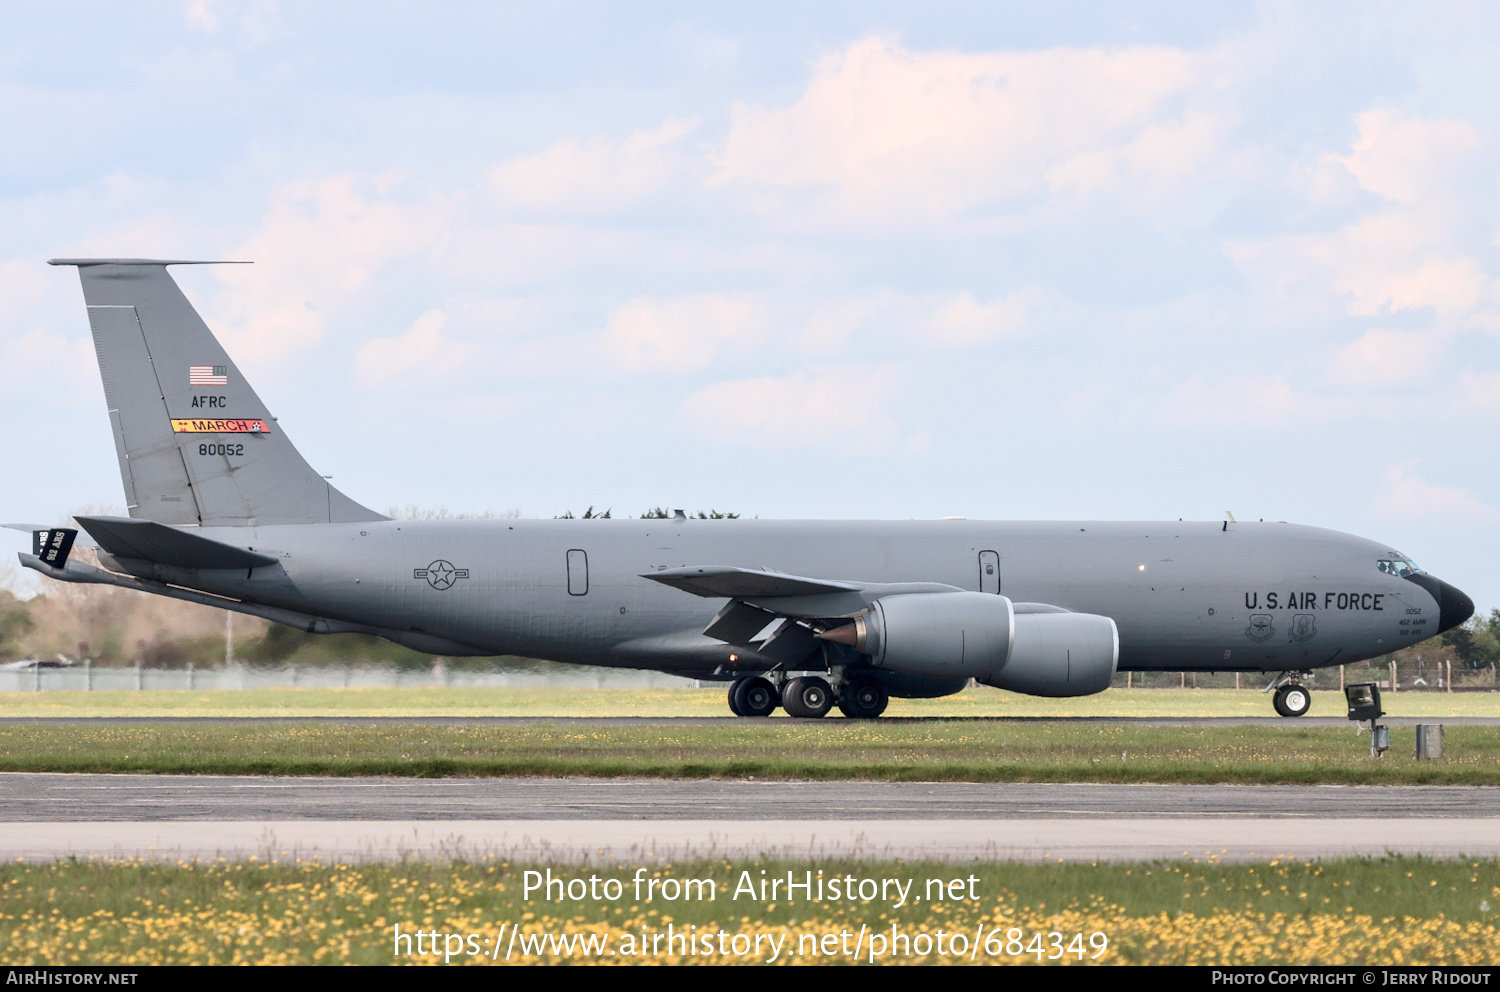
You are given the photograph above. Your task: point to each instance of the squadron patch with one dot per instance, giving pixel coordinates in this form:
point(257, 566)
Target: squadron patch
point(220, 427)
point(1261, 627)
point(440, 574)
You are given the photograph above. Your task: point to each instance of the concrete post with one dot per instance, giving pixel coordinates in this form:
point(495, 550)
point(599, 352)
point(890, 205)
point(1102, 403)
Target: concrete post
point(1429, 741)
point(190, 676)
point(1449, 665)
point(140, 676)
point(88, 675)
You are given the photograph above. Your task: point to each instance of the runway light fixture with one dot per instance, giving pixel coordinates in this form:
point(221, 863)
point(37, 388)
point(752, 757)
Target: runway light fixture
point(1364, 706)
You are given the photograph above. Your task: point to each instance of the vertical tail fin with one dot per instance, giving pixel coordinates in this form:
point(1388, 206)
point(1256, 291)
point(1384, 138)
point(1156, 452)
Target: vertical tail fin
point(196, 444)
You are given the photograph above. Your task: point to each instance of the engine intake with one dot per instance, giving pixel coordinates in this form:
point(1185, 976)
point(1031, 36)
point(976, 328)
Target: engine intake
point(980, 636)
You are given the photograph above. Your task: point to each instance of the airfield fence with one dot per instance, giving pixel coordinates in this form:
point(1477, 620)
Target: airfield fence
point(1437, 677)
point(86, 677)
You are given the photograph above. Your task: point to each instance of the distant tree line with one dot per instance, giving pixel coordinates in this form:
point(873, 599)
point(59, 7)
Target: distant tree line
point(654, 513)
point(1474, 643)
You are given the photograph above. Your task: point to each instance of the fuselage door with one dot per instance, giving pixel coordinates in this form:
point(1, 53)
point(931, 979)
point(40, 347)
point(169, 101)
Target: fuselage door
point(989, 572)
point(578, 573)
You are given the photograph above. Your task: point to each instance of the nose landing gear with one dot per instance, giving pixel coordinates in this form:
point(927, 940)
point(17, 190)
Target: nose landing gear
point(1292, 698)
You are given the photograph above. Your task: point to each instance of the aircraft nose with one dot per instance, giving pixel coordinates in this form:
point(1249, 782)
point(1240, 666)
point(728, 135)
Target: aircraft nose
point(1454, 607)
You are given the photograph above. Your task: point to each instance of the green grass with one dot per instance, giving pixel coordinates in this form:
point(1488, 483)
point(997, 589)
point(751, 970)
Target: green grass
point(909, 751)
point(438, 701)
point(1387, 911)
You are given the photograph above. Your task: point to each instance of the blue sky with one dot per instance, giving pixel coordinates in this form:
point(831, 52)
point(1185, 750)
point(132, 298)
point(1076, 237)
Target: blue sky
point(1118, 261)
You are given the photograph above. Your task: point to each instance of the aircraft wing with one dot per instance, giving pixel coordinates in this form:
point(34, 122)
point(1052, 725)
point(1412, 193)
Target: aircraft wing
point(147, 540)
point(800, 605)
point(779, 615)
point(713, 581)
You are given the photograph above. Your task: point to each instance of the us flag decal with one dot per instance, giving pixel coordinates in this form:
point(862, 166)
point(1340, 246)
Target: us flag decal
point(208, 375)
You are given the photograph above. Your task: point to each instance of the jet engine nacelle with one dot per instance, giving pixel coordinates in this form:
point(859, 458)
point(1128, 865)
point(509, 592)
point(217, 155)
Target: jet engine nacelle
point(980, 636)
point(1059, 654)
point(954, 634)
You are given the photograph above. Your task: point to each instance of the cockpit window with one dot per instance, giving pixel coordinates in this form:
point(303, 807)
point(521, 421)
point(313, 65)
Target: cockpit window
point(1398, 567)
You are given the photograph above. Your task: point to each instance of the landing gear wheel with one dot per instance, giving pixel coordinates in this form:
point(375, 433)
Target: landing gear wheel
point(755, 697)
point(807, 697)
point(1292, 700)
point(734, 688)
point(863, 699)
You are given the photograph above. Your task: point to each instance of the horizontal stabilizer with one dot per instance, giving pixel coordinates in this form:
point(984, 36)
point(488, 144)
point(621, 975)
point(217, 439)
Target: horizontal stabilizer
point(81, 542)
point(53, 545)
point(136, 261)
point(148, 540)
point(712, 581)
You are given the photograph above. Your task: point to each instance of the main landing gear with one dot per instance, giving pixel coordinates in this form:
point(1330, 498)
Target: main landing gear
point(808, 696)
point(1292, 698)
point(753, 697)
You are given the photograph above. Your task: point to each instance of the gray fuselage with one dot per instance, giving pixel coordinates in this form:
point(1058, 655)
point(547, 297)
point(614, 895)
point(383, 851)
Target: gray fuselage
point(1186, 596)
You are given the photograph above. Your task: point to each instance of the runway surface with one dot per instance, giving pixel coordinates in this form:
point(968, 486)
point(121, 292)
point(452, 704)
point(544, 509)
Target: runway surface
point(687, 721)
point(47, 816)
point(680, 721)
point(59, 798)
point(636, 842)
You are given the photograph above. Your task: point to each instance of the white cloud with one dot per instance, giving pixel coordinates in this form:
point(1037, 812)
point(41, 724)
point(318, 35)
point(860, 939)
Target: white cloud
point(943, 320)
point(883, 132)
point(419, 357)
point(1408, 159)
point(1387, 357)
point(681, 334)
point(832, 325)
point(253, 18)
point(962, 321)
point(37, 361)
point(590, 175)
point(1203, 403)
point(320, 245)
point(1473, 393)
point(797, 411)
point(1416, 249)
point(1404, 496)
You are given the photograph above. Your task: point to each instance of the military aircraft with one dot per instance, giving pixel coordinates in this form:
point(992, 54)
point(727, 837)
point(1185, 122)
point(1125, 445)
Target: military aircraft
point(803, 615)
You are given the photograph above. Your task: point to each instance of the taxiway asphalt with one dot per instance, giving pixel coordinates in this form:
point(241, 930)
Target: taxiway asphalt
point(680, 721)
point(39, 797)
